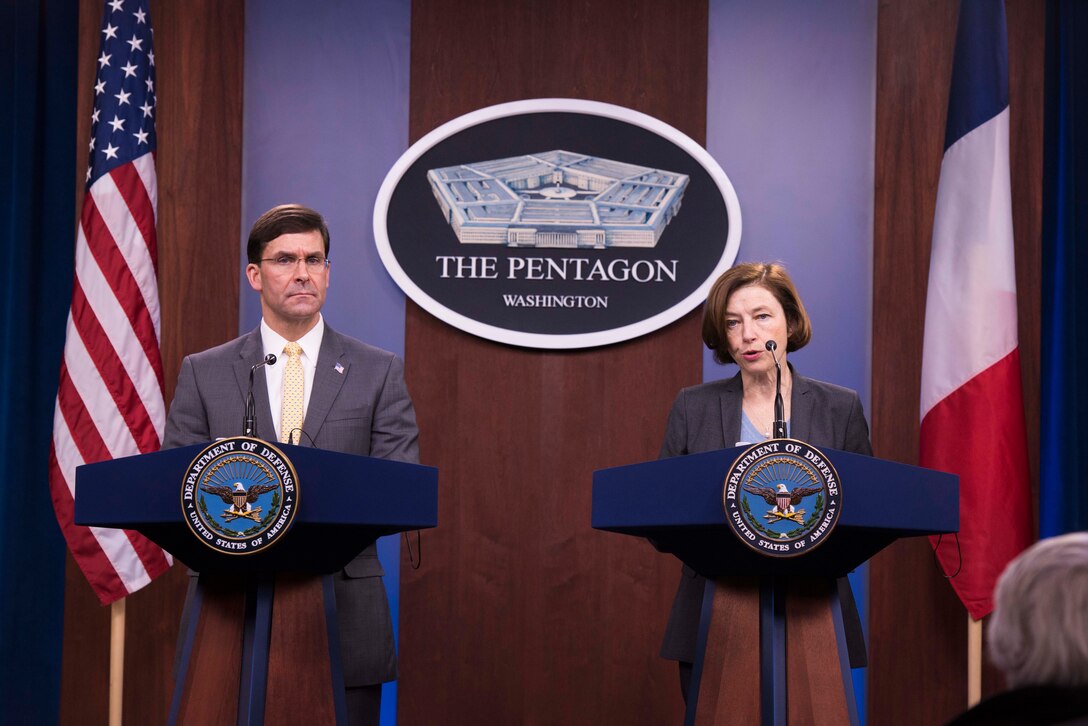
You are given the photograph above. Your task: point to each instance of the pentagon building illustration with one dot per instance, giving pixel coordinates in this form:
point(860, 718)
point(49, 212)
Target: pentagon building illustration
point(557, 199)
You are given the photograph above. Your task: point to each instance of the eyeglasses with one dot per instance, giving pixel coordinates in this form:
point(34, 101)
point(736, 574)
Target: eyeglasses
point(314, 263)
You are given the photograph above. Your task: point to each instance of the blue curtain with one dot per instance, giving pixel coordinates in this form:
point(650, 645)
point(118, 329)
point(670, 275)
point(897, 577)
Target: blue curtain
point(1063, 496)
point(37, 189)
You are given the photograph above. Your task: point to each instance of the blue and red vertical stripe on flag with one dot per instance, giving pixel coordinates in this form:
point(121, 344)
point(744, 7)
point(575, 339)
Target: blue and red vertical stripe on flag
point(972, 415)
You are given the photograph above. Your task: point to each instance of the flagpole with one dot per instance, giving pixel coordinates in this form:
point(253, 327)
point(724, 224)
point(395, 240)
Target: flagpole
point(974, 661)
point(117, 660)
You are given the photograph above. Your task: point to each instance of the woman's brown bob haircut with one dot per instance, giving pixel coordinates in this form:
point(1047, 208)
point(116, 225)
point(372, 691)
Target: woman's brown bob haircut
point(281, 220)
point(771, 276)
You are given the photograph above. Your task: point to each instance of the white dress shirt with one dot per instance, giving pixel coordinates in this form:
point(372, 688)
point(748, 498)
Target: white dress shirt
point(273, 343)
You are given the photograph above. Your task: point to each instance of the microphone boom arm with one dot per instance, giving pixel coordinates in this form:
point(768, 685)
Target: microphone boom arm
point(778, 428)
point(249, 422)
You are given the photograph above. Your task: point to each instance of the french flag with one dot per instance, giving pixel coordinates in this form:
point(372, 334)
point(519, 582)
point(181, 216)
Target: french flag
point(972, 409)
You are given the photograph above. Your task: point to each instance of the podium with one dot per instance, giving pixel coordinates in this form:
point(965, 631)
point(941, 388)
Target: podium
point(259, 641)
point(771, 646)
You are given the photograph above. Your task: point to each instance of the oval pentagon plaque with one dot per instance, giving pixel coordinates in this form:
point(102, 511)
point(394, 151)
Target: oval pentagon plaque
point(556, 223)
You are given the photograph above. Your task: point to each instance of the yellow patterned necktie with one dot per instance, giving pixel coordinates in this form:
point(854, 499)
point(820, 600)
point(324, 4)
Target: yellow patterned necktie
point(293, 392)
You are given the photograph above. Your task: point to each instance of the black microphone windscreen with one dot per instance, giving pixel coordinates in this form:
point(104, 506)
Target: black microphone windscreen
point(772, 346)
point(270, 359)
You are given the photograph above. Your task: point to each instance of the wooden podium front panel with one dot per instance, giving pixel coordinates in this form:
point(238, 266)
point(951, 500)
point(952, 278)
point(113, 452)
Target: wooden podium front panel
point(729, 690)
point(215, 665)
point(300, 686)
point(817, 692)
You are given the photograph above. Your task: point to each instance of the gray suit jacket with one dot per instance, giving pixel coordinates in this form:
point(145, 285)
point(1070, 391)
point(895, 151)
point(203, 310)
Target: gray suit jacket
point(363, 409)
point(707, 418)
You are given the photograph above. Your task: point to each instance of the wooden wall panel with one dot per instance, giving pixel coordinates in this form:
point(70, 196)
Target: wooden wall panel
point(917, 625)
point(1027, 41)
point(908, 643)
point(198, 53)
point(521, 613)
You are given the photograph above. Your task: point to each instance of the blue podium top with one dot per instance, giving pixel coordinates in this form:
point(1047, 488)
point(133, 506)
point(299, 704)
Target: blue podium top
point(345, 503)
point(677, 503)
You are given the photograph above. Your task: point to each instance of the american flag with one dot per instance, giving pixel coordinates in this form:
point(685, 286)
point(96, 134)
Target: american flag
point(110, 400)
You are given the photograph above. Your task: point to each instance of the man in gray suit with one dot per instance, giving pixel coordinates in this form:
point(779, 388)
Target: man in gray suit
point(354, 400)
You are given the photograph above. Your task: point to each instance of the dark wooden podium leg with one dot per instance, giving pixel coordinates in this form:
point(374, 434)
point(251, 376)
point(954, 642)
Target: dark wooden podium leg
point(803, 676)
point(210, 663)
point(299, 693)
point(818, 670)
point(725, 679)
point(258, 651)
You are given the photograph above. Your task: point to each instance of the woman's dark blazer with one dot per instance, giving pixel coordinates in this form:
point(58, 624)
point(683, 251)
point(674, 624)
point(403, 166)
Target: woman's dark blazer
point(707, 418)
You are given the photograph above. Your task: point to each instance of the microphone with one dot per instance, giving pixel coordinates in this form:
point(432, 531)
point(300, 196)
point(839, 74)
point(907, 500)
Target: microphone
point(778, 429)
point(249, 423)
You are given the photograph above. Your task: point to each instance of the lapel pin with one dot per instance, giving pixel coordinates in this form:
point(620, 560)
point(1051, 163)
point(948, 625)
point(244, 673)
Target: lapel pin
point(340, 369)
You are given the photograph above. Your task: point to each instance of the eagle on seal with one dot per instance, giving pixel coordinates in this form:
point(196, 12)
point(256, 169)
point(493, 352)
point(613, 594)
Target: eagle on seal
point(780, 498)
point(238, 498)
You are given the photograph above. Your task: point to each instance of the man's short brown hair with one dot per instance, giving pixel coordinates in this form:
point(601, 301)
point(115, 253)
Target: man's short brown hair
point(284, 219)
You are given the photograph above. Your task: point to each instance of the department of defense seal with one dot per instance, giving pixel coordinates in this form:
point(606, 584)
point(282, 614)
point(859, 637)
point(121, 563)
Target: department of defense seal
point(240, 495)
point(782, 497)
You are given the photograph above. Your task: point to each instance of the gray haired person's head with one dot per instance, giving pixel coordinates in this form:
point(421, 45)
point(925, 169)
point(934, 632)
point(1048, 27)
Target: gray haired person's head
point(1038, 634)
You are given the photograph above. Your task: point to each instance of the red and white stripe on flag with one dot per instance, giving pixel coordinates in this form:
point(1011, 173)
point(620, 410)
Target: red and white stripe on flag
point(110, 399)
point(971, 403)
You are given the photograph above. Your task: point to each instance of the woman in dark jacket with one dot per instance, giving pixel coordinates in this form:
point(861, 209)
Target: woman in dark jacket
point(749, 305)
